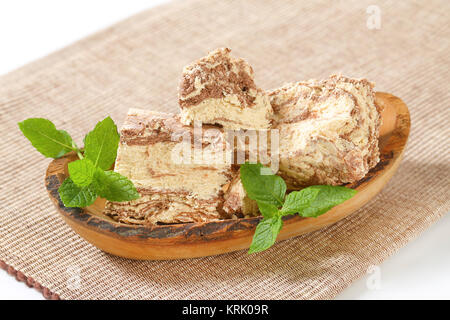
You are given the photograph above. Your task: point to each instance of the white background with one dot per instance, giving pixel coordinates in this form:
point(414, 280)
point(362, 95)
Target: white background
point(32, 29)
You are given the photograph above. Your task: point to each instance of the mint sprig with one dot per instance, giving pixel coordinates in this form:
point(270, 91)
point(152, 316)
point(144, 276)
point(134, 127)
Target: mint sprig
point(114, 187)
point(82, 172)
point(89, 177)
point(266, 234)
point(44, 136)
point(297, 201)
point(76, 196)
point(101, 144)
point(269, 192)
point(262, 185)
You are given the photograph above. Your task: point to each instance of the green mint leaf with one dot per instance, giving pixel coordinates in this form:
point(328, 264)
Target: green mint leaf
point(114, 187)
point(327, 198)
point(266, 233)
point(75, 196)
point(44, 136)
point(82, 172)
point(267, 210)
point(260, 187)
point(297, 201)
point(100, 145)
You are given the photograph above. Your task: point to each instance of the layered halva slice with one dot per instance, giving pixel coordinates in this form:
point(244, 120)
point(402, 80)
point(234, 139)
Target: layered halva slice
point(220, 89)
point(328, 130)
point(237, 203)
point(177, 182)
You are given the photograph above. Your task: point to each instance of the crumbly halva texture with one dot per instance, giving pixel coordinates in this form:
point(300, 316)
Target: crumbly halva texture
point(328, 135)
point(154, 154)
point(220, 89)
point(237, 203)
point(328, 130)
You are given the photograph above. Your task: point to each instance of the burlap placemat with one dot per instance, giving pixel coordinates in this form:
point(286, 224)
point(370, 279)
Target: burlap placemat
point(137, 63)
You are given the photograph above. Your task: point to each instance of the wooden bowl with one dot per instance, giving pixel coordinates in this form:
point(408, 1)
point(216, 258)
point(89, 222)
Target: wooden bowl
point(192, 240)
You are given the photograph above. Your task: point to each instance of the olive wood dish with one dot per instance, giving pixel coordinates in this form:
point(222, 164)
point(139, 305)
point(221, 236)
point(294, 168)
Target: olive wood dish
point(190, 240)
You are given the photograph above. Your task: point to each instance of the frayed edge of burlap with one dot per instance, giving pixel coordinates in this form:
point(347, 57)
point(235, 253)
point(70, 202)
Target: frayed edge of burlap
point(30, 282)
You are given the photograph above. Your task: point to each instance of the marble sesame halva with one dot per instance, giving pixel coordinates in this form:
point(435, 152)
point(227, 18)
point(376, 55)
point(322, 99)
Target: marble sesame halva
point(328, 134)
point(329, 130)
point(172, 190)
point(237, 203)
point(220, 89)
